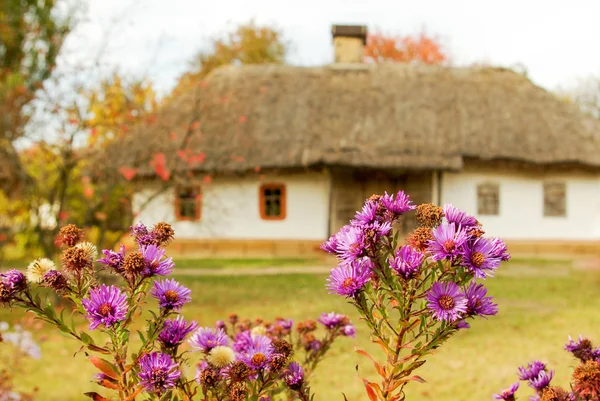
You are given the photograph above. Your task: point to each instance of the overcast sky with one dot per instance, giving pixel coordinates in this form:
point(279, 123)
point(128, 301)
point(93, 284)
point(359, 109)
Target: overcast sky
point(557, 41)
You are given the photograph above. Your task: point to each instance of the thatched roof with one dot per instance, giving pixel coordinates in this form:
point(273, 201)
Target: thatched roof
point(376, 116)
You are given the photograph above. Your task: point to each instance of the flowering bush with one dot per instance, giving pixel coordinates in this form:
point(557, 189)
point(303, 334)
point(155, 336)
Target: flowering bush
point(585, 383)
point(412, 297)
point(240, 360)
point(18, 345)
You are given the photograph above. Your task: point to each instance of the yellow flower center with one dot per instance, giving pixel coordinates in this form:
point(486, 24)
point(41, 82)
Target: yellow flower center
point(171, 296)
point(477, 259)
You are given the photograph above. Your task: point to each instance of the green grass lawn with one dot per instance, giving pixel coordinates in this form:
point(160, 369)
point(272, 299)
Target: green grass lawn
point(244, 263)
point(540, 305)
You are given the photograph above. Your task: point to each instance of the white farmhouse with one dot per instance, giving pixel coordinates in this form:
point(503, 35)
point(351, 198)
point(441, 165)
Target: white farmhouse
point(292, 152)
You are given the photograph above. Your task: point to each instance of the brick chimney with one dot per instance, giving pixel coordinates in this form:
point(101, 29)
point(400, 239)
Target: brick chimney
point(349, 42)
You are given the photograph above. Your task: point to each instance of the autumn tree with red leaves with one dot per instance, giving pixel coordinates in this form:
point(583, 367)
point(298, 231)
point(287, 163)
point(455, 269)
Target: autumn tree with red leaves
point(421, 48)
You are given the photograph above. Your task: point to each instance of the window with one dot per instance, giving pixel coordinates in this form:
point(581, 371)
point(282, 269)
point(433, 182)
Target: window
point(555, 199)
point(272, 201)
point(488, 199)
point(187, 203)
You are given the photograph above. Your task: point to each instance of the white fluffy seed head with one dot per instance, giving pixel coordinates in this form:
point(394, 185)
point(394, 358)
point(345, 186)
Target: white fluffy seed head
point(259, 330)
point(90, 250)
point(36, 269)
point(221, 356)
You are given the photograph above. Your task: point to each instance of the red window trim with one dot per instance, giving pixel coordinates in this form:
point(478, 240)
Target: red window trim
point(261, 201)
point(198, 214)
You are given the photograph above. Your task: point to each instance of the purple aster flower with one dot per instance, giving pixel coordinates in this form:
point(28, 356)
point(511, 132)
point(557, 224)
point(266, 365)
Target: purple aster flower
point(582, 349)
point(477, 302)
point(447, 241)
point(348, 280)
point(156, 265)
point(462, 324)
point(499, 249)
point(285, 324)
point(293, 376)
point(398, 204)
point(333, 320)
point(331, 245)
point(138, 230)
point(446, 301)
point(207, 338)
point(14, 279)
point(220, 325)
point(350, 243)
point(407, 262)
point(175, 330)
point(105, 306)
point(349, 330)
point(480, 257)
point(170, 294)
point(113, 259)
point(531, 370)
point(507, 394)
point(458, 217)
point(534, 397)
point(243, 341)
point(542, 380)
point(158, 372)
point(367, 215)
point(258, 355)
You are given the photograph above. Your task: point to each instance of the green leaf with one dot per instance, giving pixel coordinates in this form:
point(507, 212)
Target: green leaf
point(86, 339)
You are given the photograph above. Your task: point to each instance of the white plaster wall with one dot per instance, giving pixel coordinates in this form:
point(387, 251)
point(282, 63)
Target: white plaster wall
point(230, 209)
point(521, 204)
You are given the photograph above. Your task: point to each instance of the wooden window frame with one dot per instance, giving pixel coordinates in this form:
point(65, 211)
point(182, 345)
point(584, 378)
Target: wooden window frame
point(547, 185)
point(261, 201)
point(198, 201)
point(480, 186)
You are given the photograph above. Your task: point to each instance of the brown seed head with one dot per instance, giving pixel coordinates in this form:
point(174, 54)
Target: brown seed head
point(233, 318)
point(476, 232)
point(277, 363)
point(6, 293)
point(239, 371)
point(419, 237)
point(282, 347)
point(238, 391)
point(584, 350)
point(586, 380)
point(554, 393)
point(307, 326)
point(68, 235)
point(134, 263)
point(429, 215)
point(55, 280)
point(209, 378)
point(163, 233)
point(76, 259)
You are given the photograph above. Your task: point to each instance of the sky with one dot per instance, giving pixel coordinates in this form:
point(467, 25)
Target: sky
point(556, 41)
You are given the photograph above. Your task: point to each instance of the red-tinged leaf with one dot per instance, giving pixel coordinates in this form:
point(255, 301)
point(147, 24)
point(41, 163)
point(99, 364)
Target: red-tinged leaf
point(127, 172)
point(413, 378)
point(379, 368)
point(105, 367)
point(108, 384)
point(370, 392)
point(371, 387)
point(95, 396)
point(242, 119)
point(173, 136)
point(394, 303)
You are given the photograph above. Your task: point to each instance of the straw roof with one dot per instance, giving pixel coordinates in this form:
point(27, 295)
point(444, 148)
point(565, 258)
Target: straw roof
point(371, 116)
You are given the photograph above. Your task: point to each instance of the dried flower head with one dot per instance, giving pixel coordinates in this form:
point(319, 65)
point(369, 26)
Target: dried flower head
point(208, 378)
point(582, 349)
point(77, 259)
point(238, 391)
point(233, 318)
point(68, 235)
point(555, 394)
point(419, 238)
point(38, 268)
point(6, 292)
point(239, 371)
point(221, 356)
point(586, 380)
point(429, 215)
point(134, 264)
point(277, 363)
point(306, 326)
point(282, 347)
point(163, 233)
point(294, 376)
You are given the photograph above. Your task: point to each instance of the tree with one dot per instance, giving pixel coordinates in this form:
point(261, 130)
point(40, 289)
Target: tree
point(246, 44)
point(586, 94)
point(31, 35)
point(421, 48)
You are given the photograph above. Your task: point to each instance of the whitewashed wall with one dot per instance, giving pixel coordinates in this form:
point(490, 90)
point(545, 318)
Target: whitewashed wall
point(522, 204)
point(230, 209)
